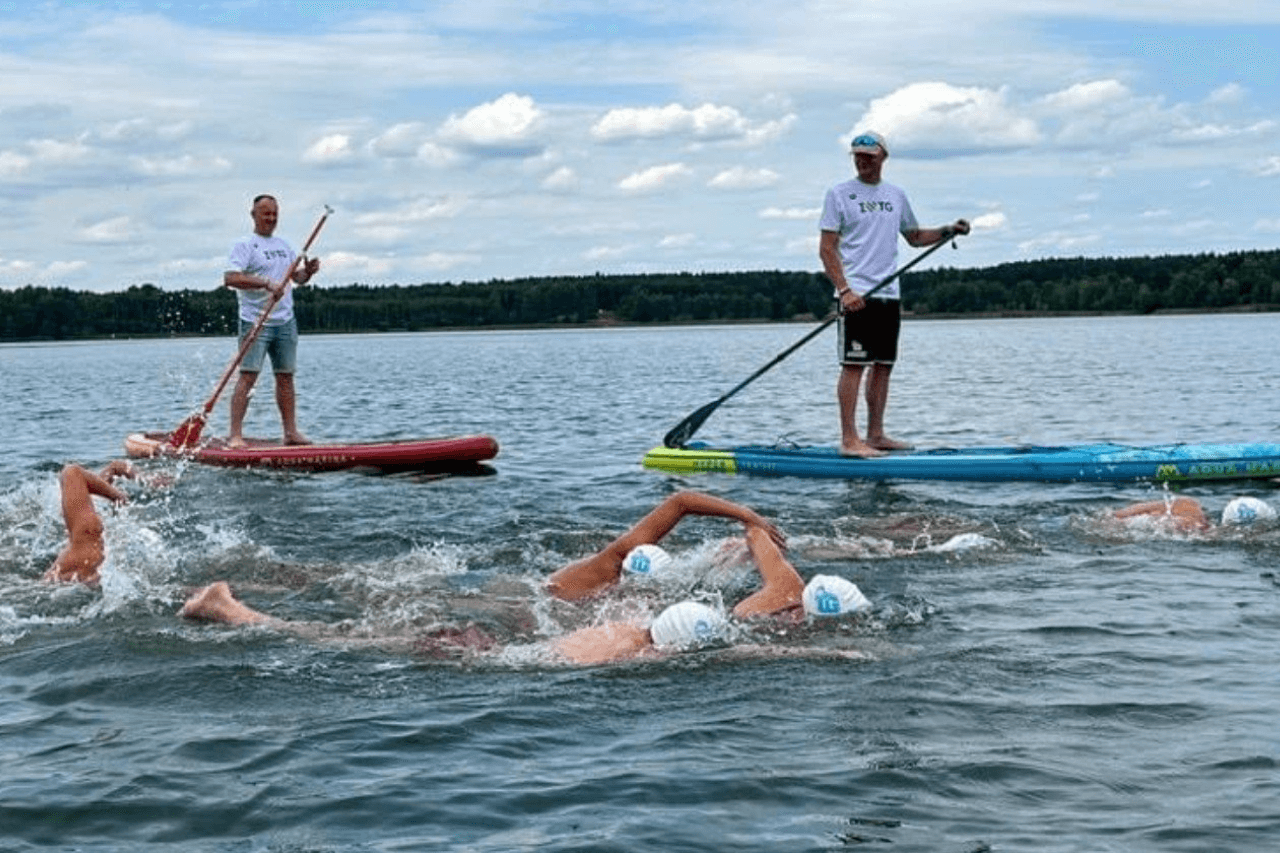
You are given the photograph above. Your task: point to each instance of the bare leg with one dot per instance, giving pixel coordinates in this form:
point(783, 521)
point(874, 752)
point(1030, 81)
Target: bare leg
point(215, 603)
point(851, 444)
point(240, 405)
point(877, 400)
point(286, 400)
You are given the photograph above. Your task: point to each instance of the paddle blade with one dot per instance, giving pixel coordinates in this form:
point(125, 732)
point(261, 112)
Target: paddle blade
point(188, 432)
point(684, 430)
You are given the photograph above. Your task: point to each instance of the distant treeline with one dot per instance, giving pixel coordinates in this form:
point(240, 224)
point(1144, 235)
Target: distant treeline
point(1248, 280)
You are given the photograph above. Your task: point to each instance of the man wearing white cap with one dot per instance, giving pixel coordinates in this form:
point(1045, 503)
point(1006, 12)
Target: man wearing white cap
point(860, 224)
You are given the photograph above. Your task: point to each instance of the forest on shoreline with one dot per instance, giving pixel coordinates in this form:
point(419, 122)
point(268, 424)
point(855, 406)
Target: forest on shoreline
point(1248, 280)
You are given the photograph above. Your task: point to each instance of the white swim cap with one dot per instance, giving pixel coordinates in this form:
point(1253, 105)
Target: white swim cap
point(1246, 511)
point(829, 595)
point(687, 624)
point(646, 560)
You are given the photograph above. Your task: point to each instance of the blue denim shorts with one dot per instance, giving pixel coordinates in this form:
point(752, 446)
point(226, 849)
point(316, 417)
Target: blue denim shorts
point(279, 342)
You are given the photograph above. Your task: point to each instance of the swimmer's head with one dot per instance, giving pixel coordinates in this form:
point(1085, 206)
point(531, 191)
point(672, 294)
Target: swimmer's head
point(646, 560)
point(687, 624)
point(1247, 510)
point(829, 595)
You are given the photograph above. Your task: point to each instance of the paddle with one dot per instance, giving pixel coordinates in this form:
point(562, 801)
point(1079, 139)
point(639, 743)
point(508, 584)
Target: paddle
point(684, 430)
point(188, 432)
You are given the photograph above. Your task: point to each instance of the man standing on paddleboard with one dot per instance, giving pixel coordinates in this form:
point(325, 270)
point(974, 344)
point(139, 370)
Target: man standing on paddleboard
point(259, 272)
point(861, 221)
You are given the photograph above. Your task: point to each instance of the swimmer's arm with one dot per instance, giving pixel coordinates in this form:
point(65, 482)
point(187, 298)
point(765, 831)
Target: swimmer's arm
point(782, 586)
point(101, 483)
point(593, 574)
point(663, 519)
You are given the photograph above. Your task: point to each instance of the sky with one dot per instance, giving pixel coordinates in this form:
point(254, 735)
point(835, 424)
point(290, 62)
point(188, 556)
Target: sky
point(473, 140)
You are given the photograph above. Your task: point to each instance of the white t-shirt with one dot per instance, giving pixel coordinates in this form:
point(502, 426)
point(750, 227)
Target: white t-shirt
point(271, 258)
point(868, 218)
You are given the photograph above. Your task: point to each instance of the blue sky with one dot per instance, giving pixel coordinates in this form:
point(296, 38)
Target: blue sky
point(465, 141)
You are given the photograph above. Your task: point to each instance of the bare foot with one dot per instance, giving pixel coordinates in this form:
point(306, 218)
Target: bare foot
point(235, 441)
point(885, 443)
point(296, 438)
point(215, 603)
point(860, 449)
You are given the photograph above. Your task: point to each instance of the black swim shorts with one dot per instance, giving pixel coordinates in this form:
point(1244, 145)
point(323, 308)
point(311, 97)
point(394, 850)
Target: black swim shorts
point(870, 335)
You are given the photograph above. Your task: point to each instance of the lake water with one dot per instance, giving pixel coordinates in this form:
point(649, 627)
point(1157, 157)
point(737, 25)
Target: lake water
point(1061, 685)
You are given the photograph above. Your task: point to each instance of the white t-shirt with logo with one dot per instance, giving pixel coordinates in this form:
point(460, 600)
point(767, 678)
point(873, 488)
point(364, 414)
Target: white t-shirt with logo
point(268, 257)
point(868, 218)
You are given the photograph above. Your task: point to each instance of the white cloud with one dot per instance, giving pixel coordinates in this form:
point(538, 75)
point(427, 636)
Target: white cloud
point(1087, 97)
point(707, 123)
point(400, 140)
point(144, 130)
point(742, 178)
point(118, 229)
point(804, 214)
point(54, 152)
point(13, 164)
point(331, 150)
point(417, 210)
point(1267, 168)
point(62, 269)
point(806, 245)
point(184, 166)
point(395, 224)
point(654, 177)
point(989, 221)
point(1230, 94)
point(437, 156)
point(938, 116)
point(1057, 242)
point(677, 241)
point(561, 180)
point(606, 253)
point(15, 268)
point(506, 126)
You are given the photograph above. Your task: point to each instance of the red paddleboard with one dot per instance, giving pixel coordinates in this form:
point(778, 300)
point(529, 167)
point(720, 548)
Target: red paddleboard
point(449, 454)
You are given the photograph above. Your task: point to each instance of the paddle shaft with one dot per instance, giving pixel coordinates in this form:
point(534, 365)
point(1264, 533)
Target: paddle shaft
point(684, 430)
point(262, 319)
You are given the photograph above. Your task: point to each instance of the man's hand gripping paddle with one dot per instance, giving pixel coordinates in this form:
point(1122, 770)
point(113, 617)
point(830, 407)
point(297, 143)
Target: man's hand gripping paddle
point(684, 430)
point(187, 434)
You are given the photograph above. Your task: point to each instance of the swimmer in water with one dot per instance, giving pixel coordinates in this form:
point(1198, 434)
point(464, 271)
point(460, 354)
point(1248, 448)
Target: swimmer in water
point(680, 626)
point(1188, 515)
point(85, 551)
